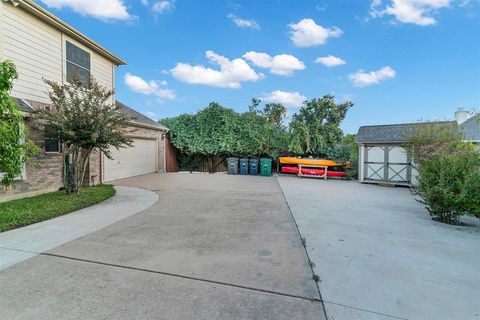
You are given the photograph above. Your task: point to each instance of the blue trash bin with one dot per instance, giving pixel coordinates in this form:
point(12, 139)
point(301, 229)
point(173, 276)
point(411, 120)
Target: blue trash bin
point(243, 166)
point(253, 167)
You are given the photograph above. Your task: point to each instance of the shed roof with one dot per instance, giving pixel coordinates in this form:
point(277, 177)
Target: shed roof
point(471, 128)
point(138, 118)
point(390, 133)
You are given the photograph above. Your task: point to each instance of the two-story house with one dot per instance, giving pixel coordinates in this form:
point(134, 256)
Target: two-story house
point(42, 46)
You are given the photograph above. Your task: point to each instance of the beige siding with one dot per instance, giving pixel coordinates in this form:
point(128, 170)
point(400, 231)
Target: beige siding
point(102, 70)
point(36, 49)
point(38, 52)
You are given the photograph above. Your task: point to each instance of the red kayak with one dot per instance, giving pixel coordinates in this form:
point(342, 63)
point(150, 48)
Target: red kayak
point(316, 172)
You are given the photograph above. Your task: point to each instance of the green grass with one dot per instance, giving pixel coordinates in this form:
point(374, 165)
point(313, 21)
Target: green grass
point(22, 212)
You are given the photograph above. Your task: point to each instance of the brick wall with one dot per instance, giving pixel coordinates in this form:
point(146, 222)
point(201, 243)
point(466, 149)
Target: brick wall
point(44, 171)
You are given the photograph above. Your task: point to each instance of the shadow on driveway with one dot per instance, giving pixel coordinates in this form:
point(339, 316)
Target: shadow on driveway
point(212, 247)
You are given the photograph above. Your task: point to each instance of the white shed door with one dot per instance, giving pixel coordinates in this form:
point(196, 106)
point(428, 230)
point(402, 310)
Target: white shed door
point(387, 164)
point(129, 162)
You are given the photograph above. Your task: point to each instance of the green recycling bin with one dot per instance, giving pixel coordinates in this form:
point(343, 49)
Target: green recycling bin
point(265, 167)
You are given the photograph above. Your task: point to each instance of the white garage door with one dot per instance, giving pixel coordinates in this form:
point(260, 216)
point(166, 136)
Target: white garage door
point(388, 164)
point(128, 162)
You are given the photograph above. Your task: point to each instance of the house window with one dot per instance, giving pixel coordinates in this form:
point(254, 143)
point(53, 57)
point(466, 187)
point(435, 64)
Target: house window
point(77, 64)
point(52, 143)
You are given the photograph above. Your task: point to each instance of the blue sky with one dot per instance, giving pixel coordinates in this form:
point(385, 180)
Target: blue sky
point(397, 60)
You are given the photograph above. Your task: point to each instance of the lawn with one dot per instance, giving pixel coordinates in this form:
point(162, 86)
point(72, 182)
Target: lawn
point(22, 212)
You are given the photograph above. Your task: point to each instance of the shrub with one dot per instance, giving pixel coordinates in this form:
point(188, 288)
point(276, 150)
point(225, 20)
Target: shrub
point(449, 184)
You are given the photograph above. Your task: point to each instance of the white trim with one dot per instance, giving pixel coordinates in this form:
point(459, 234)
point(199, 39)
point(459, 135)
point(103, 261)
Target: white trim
point(164, 138)
point(64, 56)
point(1, 30)
point(361, 151)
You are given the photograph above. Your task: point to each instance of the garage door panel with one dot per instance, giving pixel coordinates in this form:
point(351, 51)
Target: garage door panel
point(133, 161)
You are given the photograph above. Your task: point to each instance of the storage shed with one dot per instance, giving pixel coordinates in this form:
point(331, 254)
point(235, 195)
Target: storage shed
point(382, 157)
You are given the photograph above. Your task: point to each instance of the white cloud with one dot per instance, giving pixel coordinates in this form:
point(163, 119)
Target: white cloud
point(282, 64)
point(330, 61)
point(230, 75)
point(307, 33)
point(137, 84)
point(289, 99)
point(162, 6)
point(363, 79)
point(164, 83)
point(410, 11)
point(243, 23)
point(100, 9)
point(151, 115)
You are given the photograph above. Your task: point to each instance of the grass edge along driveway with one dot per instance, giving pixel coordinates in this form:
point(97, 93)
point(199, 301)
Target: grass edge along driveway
point(25, 211)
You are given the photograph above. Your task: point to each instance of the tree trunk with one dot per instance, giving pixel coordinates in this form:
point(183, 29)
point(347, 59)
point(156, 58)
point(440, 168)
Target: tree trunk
point(75, 164)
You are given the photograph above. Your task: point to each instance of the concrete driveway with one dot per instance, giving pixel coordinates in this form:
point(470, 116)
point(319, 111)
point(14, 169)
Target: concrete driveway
point(380, 256)
point(212, 247)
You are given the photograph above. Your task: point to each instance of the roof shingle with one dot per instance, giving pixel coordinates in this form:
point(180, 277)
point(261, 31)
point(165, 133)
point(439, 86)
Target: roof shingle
point(137, 117)
point(390, 133)
point(471, 128)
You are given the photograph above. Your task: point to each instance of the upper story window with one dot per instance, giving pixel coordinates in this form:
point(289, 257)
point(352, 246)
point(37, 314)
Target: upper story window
point(78, 64)
point(52, 142)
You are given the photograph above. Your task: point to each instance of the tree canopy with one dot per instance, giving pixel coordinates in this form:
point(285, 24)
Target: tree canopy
point(316, 126)
point(216, 132)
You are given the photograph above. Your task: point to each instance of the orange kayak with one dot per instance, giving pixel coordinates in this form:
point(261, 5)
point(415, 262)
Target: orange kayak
point(306, 161)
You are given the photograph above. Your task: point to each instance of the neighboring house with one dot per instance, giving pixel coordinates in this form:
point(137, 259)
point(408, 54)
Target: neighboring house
point(44, 47)
point(382, 157)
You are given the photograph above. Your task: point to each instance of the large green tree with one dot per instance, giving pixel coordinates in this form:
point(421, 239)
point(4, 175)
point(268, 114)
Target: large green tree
point(210, 134)
point(86, 119)
point(15, 147)
point(316, 126)
point(216, 132)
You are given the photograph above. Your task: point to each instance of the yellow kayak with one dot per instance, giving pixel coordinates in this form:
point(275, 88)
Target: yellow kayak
point(306, 161)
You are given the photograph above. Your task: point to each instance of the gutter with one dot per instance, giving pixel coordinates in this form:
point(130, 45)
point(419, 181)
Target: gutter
point(142, 125)
point(61, 25)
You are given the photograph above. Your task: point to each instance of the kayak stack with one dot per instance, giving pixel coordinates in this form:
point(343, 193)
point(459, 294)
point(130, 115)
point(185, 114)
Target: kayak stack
point(311, 167)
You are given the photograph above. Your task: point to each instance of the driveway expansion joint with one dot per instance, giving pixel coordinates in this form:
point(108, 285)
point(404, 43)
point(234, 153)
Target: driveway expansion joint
point(314, 300)
point(304, 246)
point(365, 310)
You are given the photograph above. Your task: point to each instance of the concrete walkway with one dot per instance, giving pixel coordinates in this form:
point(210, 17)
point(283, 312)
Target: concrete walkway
point(26, 242)
point(213, 247)
point(380, 256)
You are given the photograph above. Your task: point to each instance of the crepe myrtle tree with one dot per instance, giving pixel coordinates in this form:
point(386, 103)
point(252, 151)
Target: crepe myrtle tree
point(85, 119)
point(15, 147)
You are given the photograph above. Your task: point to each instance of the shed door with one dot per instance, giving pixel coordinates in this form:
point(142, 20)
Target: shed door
point(134, 161)
point(387, 164)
